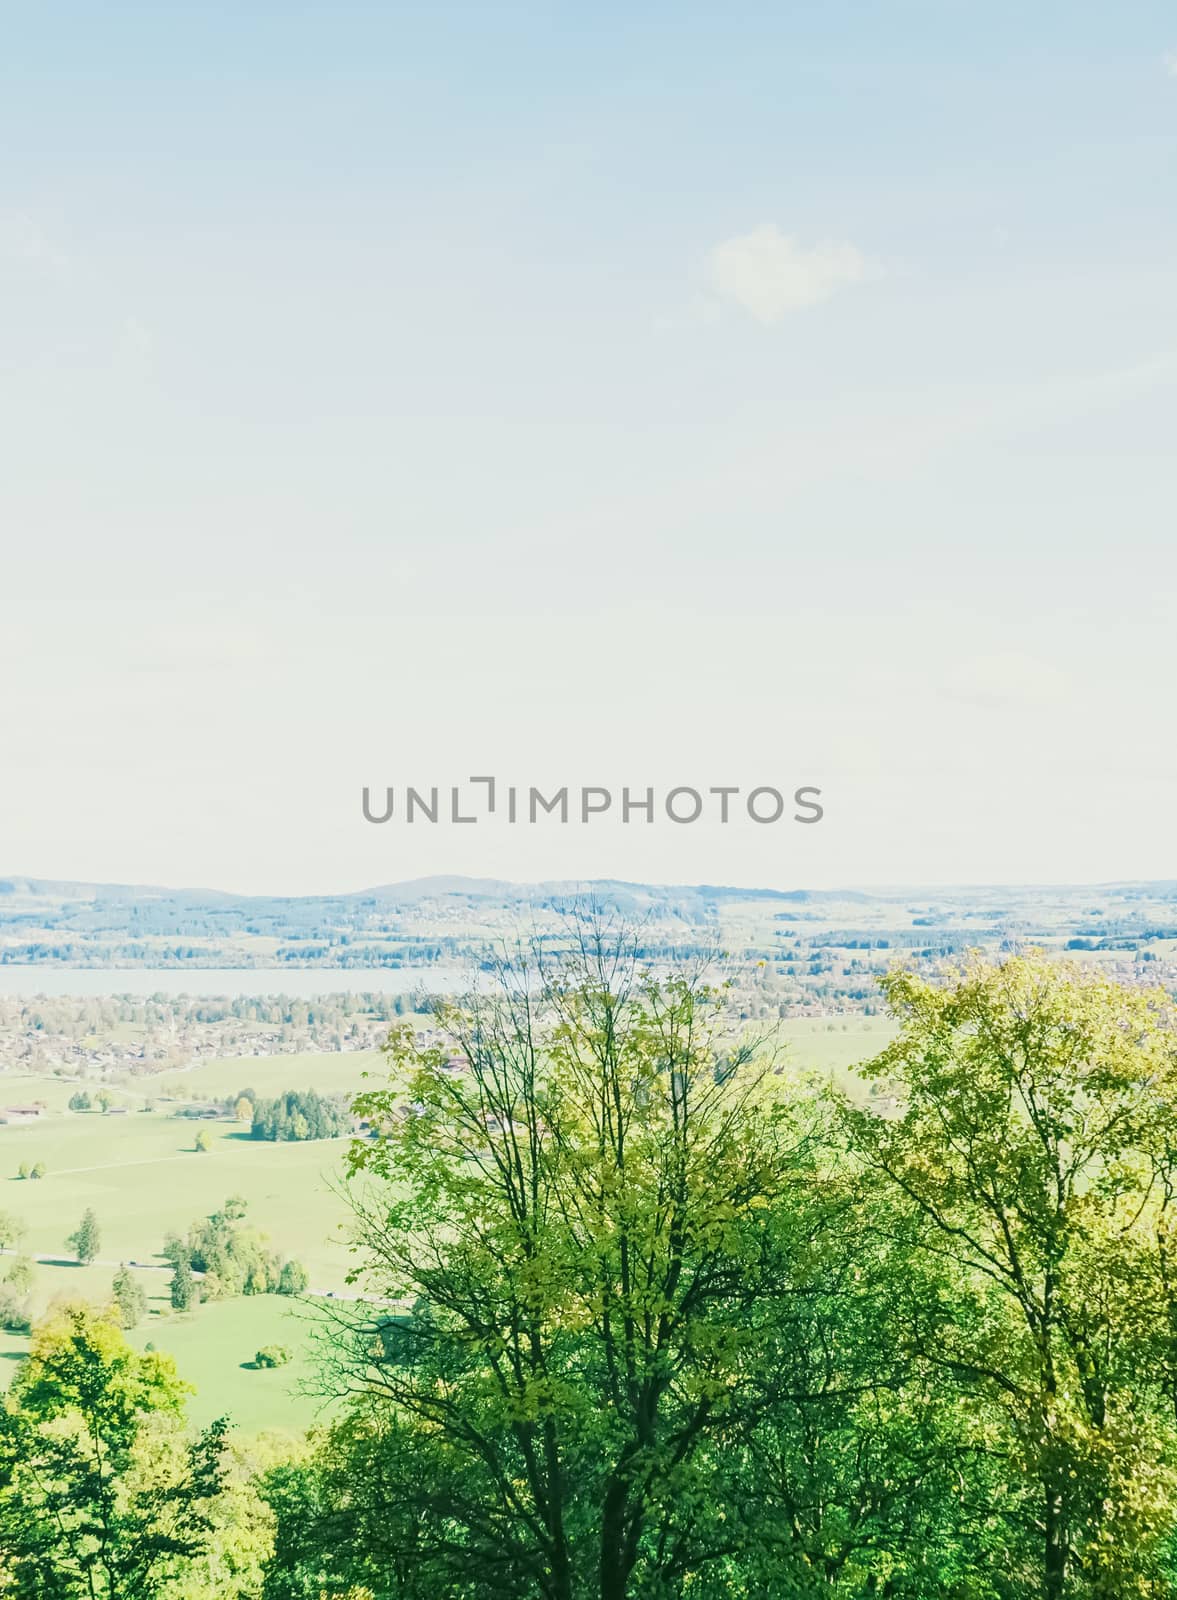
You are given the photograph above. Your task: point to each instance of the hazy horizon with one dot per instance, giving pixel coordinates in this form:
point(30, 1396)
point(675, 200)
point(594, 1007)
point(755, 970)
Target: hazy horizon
point(586, 885)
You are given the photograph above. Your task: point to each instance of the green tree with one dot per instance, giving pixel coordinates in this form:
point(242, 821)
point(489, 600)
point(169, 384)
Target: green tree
point(599, 1211)
point(243, 1110)
point(21, 1274)
point(102, 1495)
point(16, 1306)
point(130, 1297)
point(293, 1278)
point(79, 1101)
point(86, 1240)
point(203, 1141)
point(37, 1170)
point(23, 1170)
point(1035, 1150)
point(184, 1290)
point(12, 1230)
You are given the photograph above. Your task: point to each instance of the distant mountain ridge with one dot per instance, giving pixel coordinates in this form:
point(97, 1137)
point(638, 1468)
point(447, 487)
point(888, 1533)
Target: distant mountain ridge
point(455, 921)
point(426, 888)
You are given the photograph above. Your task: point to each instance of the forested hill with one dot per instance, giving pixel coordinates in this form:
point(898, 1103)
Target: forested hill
point(821, 946)
point(424, 919)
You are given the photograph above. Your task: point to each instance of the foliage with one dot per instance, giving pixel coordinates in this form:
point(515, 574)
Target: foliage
point(185, 1294)
point(16, 1308)
point(300, 1114)
point(601, 1203)
point(293, 1279)
point(102, 1494)
point(12, 1230)
point(667, 1322)
point(272, 1355)
point(86, 1239)
point(21, 1274)
point(1034, 1151)
point(130, 1297)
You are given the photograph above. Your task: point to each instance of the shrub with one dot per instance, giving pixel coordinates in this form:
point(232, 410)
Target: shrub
point(272, 1355)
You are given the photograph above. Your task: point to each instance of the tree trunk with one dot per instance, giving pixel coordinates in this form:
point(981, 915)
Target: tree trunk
point(615, 1563)
point(1055, 1570)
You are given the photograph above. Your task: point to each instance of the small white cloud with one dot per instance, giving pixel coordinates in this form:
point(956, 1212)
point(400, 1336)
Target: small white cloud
point(1007, 679)
point(768, 273)
point(1170, 61)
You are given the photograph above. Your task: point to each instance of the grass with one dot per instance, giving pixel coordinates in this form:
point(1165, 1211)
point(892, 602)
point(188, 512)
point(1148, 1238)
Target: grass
point(338, 1072)
point(143, 1179)
point(214, 1348)
point(21, 1089)
point(834, 1045)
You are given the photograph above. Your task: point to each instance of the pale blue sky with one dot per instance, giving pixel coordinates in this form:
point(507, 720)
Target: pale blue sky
point(774, 394)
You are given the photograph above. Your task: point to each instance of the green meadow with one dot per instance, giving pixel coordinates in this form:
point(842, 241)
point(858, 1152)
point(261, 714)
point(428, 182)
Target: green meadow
point(143, 1178)
point(214, 1348)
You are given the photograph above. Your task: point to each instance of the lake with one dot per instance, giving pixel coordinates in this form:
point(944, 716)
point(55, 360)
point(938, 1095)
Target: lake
point(300, 983)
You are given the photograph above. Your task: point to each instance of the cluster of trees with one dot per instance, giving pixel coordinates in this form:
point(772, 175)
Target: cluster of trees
point(83, 1100)
point(648, 1317)
point(298, 1114)
point(684, 1326)
point(221, 1257)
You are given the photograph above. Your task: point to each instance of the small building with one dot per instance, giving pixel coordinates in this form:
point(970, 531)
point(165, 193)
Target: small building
point(19, 1114)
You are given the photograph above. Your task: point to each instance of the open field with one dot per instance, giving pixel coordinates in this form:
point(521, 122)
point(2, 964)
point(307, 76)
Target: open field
point(330, 1072)
point(834, 1044)
point(143, 1179)
point(54, 1091)
point(214, 1348)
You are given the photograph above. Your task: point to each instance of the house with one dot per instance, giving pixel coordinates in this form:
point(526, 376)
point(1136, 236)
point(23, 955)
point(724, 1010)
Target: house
point(19, 1114)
